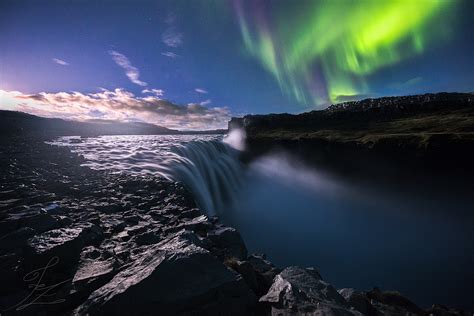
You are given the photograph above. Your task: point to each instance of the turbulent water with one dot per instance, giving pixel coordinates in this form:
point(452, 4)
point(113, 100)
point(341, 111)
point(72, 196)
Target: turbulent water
point(358, 235)
point(206, 165)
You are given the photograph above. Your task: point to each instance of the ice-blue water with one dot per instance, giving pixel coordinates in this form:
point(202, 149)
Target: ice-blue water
point(357, 233)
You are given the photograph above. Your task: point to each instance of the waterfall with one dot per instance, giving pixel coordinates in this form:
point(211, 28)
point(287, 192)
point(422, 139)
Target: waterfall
point(210, 170)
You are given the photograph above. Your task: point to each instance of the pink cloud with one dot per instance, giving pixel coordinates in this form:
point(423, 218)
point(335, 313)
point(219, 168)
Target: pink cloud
point(118, 104)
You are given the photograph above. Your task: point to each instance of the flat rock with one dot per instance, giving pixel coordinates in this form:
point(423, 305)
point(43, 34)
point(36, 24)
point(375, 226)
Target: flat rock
point(65, 243)
point(93, 270)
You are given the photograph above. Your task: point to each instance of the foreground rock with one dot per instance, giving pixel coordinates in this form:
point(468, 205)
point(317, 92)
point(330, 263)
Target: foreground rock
point(297, 291)
point(173, 277)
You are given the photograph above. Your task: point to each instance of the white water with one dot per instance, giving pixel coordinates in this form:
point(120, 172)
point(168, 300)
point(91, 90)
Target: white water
point(207, 166)
point(358, 235)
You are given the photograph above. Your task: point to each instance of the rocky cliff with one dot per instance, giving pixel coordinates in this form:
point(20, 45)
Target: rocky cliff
point(429, 129)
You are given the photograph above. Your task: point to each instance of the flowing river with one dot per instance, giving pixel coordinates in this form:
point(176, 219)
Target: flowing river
point(357, 233)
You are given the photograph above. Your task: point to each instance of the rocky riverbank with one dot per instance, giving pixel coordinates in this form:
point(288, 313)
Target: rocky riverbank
point(78, 241)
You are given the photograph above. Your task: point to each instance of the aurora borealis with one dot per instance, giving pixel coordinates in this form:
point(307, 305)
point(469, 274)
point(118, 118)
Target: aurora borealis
point(326, 49)
point(197, 63)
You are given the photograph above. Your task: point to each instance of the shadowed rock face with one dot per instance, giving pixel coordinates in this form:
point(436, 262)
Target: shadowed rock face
point(357, 115)
point(174, 276)
point(297, 291)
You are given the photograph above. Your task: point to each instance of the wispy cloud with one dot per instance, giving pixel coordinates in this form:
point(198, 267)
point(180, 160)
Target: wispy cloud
point(60, 62)
point(406, 84)
point(171, 36)
point(132, 72)
point(170, 54)
point(157, 92)
point(206, 102)
point(118, 104)
point(199, 90)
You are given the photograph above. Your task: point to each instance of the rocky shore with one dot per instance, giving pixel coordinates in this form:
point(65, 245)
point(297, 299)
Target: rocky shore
point(74, 241)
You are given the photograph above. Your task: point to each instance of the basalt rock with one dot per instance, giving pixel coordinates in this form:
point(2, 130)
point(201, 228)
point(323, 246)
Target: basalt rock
point(16, 239)
point(94, 270)
point(39, 221)
point(172, 277)
point(392, 303)
point(64, 243)
point(297, 291)
point(229, 241)
point(359, 301)
point(265, 272)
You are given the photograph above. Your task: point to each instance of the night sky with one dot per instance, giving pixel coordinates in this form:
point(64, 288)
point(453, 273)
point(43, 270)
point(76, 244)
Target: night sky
point(193, 64)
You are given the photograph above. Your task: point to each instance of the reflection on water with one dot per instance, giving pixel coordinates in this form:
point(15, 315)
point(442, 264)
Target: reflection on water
point(357, 235)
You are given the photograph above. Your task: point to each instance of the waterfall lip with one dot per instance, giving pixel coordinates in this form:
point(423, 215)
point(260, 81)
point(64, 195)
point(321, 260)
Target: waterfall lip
point(208, 166)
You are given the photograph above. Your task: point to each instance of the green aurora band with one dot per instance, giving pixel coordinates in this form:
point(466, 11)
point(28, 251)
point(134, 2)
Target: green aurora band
point(325, 50)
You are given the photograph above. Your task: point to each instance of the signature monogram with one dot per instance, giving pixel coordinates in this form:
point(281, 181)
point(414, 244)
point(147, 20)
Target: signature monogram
point(40, 291)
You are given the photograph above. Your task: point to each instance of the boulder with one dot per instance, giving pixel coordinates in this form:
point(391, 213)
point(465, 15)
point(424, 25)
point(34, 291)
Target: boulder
point(172, 277)
point(147, 238)
point(230, 242)
point(200, 225)
point(359, 301)
point(297, 291)
point(440, 310)
point(65, 243)
point(39, 221)
point(264, 270)
point(16, 239)
point(245, 269)
point(392, 302)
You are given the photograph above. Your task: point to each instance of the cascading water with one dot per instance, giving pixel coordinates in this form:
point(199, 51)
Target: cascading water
point(210, 170)
point(207, 165)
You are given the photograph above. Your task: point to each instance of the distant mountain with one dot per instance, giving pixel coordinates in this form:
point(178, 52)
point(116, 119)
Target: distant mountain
point(19, 123)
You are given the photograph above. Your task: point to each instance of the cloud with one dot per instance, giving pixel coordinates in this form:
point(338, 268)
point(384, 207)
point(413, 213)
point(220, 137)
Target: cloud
point(132, 73)
point(202, 103)
point(60, 62)
point(157, 92)
point(171, 36)
point(206, 102)
point(406, 84)
point(198, 90)
point(170, 54)
point(118, 104)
